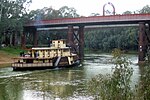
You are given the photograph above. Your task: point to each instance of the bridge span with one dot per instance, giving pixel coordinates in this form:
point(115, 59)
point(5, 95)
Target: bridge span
point(93, 20)
point(143, 20)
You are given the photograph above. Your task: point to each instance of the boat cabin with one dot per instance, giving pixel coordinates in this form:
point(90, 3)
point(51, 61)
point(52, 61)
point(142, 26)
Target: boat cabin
point(58, 54)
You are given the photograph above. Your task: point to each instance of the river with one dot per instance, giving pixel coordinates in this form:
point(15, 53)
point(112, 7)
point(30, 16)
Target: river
point(58, 84)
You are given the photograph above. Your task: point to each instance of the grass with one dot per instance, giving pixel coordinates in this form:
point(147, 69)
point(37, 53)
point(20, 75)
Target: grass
point(6, 55)
point(11, 50)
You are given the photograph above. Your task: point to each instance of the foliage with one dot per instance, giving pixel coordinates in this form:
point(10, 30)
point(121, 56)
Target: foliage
point(127, 12)
point(14, 13)
point(12, 18)
point(48, 13)
point(12, 50)
point(110, 38)
point(145, 9)
point(115, 86)
point(144, 84)
point(107, 39)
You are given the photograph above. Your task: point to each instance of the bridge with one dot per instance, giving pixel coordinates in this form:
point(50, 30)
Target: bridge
point(143, 20)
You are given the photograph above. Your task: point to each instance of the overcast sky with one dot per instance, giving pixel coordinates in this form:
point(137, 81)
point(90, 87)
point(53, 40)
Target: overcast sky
point(86, 7)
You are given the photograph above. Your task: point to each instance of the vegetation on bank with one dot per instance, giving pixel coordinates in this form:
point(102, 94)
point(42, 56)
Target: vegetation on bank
point(117, 86)
point(15, 13)
point(6, 55)
point(11, 50)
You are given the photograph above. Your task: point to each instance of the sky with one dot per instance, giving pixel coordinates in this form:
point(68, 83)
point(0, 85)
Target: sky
point(86, 7)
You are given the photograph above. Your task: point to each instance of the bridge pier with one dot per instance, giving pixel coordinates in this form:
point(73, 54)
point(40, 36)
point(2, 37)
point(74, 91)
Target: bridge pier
point(70, 36)
point(76, 40)
point(23, 40)
point(81, 42)
point(35, 37)
point(148, 35)
point(142, 42)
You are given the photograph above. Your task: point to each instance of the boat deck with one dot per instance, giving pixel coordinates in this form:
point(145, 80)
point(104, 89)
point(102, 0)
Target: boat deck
point(31, 64)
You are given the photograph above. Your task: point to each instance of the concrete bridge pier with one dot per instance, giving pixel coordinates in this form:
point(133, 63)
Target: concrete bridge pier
point(142, 43)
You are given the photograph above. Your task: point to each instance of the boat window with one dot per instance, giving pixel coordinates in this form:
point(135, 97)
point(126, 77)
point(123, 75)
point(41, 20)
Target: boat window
point(65, 50)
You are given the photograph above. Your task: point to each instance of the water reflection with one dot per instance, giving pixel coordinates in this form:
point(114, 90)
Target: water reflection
point(61, 83)
point(55, 84)
point(38, 84)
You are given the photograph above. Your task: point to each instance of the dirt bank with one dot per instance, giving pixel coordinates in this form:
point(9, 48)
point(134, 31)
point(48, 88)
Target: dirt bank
point(5, 58)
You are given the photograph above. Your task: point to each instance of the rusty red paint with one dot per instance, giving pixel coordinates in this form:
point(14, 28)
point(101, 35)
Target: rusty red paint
point(81, 42)
point(112, 19)
point(142, 41)
point(140, 19)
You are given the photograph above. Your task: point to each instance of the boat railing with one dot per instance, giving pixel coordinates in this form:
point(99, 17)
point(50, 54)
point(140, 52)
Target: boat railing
point(31, 64)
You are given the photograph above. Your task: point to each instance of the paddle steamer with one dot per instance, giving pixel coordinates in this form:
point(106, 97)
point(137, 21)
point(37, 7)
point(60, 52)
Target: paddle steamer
point(56, 55)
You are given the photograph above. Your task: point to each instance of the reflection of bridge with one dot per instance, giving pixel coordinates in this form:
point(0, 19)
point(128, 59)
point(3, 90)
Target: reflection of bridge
point(142, 19)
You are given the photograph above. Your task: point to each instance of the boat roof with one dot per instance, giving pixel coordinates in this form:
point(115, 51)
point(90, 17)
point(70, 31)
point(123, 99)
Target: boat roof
point(48, 48)
point(60, 40)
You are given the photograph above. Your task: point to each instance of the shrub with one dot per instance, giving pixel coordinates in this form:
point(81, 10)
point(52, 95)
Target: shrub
point(115, 86)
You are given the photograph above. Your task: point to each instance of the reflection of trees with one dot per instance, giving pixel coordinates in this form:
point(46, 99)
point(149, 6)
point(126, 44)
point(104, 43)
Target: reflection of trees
point(10, 89)
point(62, 83)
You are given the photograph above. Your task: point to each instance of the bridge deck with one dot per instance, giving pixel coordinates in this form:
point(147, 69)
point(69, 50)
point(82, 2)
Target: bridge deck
point(93, 20)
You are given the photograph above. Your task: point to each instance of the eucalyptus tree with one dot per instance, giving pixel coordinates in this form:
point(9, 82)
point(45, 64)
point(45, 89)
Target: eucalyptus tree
point(12, 17)
point(127, 12)
point(68, 12)
point(48, 13)
point(145, 9)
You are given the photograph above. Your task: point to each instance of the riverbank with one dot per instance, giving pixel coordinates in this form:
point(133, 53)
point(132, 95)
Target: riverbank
point(5, 59)
point(6, 55)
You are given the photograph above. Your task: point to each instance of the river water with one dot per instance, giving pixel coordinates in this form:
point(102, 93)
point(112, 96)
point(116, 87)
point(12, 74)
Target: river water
point(58, 84)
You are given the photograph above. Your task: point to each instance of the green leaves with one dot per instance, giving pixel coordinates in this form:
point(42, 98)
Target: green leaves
point(12, 19)
point(115, 86)
point(145, 9)
point(49, 13)
point(110, 38)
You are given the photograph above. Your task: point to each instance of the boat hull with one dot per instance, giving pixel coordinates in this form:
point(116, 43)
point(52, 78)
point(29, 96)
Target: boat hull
point(25, 67)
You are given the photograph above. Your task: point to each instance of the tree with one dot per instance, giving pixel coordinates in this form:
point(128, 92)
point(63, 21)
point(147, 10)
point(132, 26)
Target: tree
point(11, 19)
point(68, 12)
point(127, 12)
point(145, 9)
point(48, 13)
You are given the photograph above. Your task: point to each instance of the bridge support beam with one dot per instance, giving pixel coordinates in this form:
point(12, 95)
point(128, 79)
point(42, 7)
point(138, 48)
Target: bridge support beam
point(70, 36)
point(142, 42)
point(75, 39)
point(81, 42)
point(148, 35)
point(23, 40)
point(35, 37)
